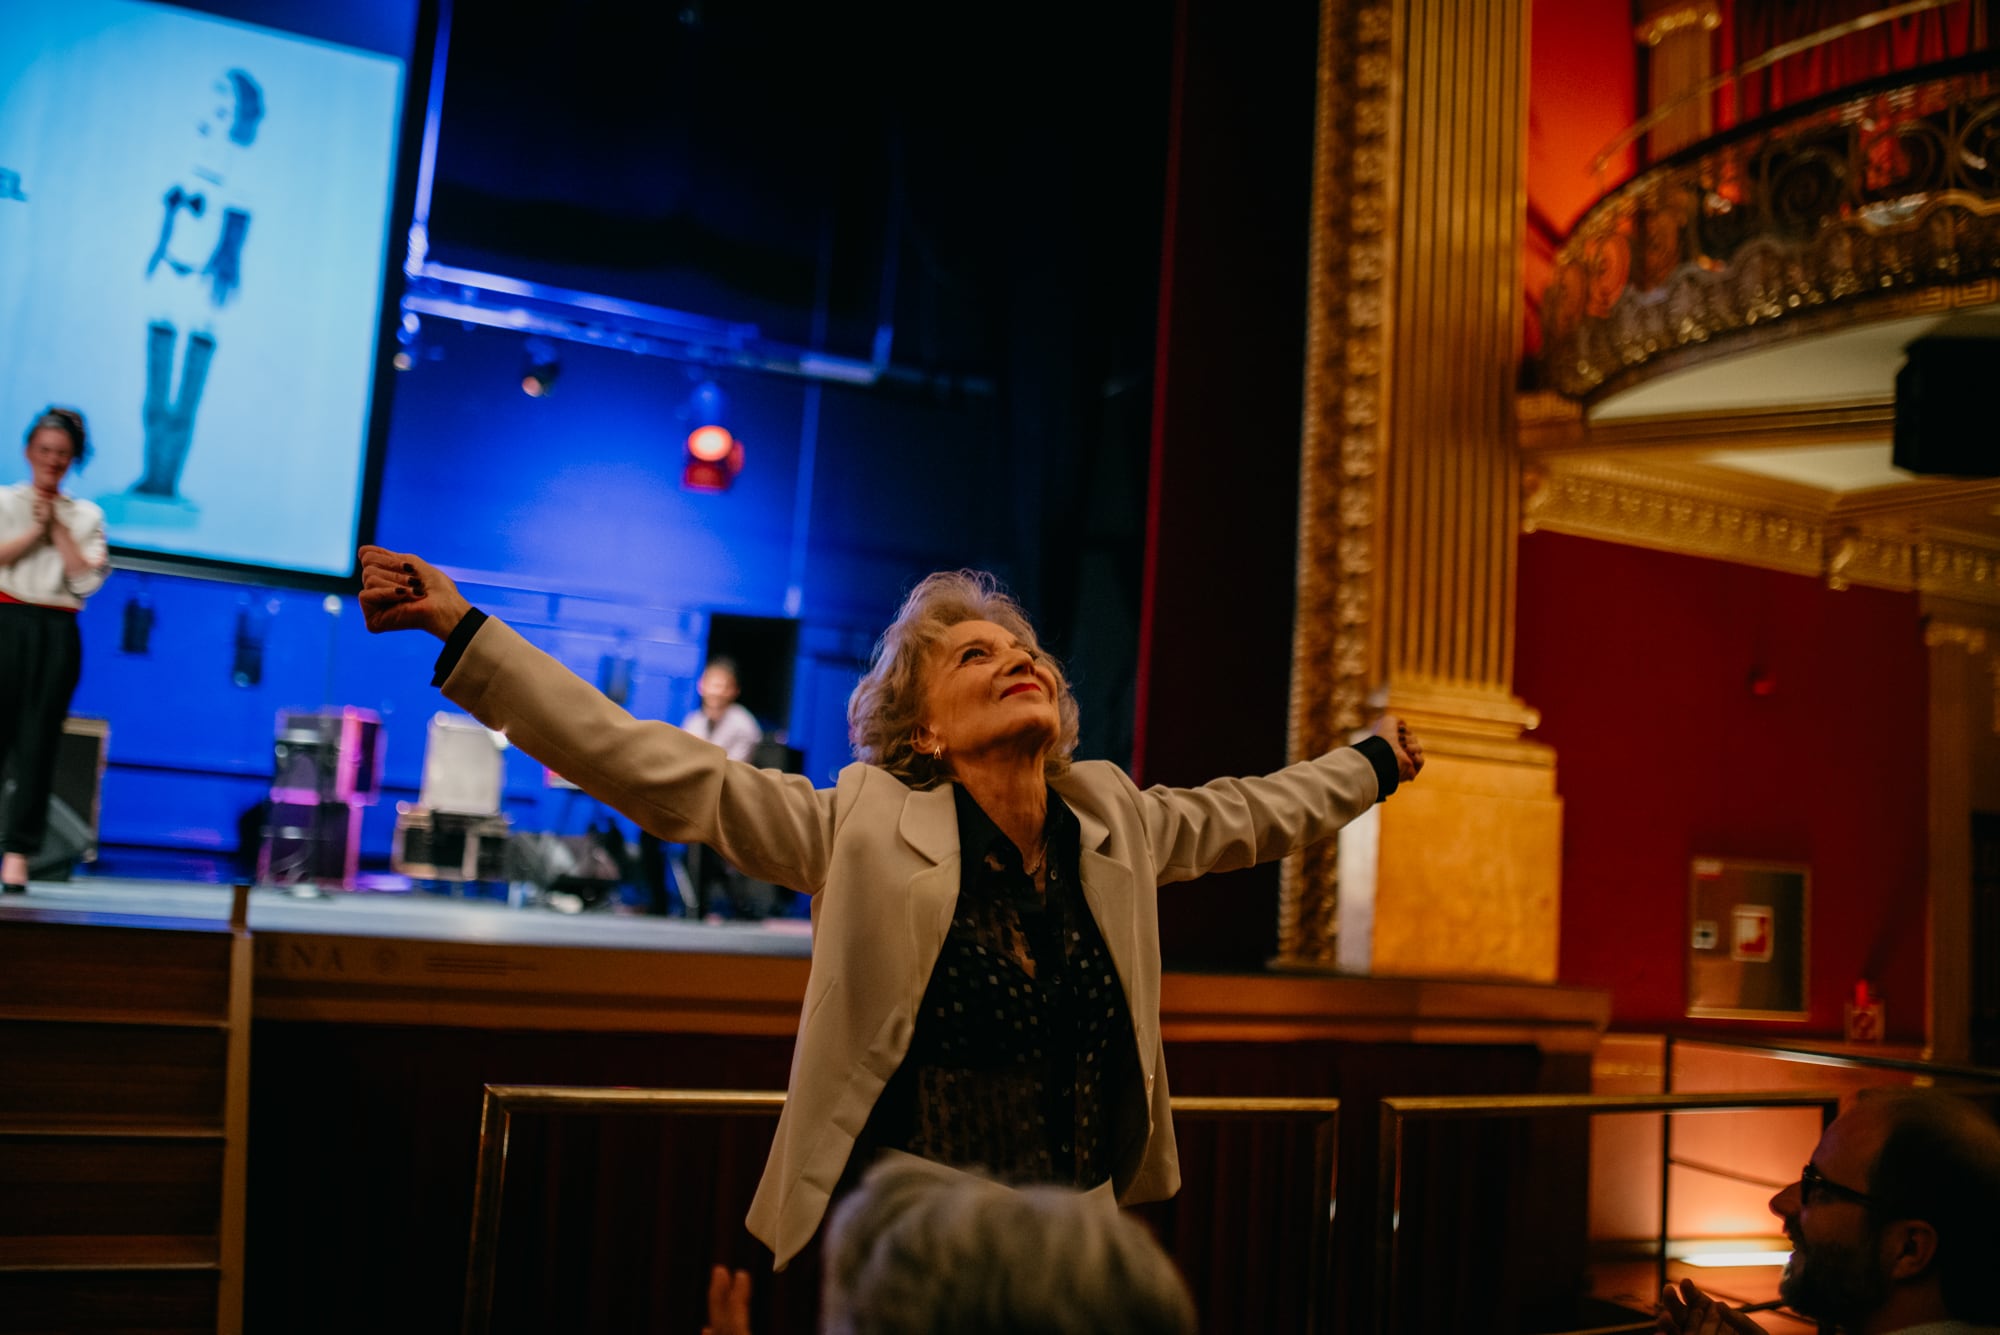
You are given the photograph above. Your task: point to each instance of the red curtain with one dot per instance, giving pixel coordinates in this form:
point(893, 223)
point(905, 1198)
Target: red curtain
point(1753, 27)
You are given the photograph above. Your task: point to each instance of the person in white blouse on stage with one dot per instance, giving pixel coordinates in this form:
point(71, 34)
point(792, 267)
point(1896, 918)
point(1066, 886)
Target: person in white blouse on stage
point(721, 720)
point(53, 555)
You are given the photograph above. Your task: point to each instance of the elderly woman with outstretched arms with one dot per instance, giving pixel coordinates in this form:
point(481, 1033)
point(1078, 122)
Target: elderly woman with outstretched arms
point(985, 983)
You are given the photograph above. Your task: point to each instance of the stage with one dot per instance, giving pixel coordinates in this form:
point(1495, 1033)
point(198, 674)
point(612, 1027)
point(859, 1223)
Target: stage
point(418, 958)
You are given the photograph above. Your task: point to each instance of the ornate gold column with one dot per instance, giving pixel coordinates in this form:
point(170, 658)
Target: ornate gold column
point(1410, 495)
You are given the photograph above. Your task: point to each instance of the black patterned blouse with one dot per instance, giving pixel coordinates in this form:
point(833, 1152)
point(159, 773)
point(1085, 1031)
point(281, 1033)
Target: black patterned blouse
point(1023, 1039)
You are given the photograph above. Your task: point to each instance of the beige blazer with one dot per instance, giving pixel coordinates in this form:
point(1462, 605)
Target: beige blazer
point(881, 862)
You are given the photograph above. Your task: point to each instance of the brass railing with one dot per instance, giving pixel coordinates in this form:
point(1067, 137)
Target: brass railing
point(1974, 1078)
point(1883, 200)
point(1399, 1113)
point(504, 1103)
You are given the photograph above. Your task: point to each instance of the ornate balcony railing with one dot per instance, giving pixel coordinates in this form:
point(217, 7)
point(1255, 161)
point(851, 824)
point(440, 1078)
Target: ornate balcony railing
point(1880, 200)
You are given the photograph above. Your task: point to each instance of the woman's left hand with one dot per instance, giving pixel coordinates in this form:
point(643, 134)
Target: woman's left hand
point(1409, 751)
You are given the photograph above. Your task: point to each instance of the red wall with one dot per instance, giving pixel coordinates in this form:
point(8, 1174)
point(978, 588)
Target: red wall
point(1642, 664)
point(1583, 88)
point(1583, 83)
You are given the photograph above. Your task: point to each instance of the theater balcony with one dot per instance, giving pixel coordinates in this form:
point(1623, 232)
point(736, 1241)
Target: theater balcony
point(1723, 330)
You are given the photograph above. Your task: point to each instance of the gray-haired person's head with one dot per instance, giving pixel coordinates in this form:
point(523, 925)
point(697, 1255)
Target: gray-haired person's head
point(888, 704)
point(919, 1249)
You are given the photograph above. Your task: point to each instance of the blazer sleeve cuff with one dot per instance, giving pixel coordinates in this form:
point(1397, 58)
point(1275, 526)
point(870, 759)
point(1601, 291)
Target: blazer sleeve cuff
point(1383, 757)
point(461, 636)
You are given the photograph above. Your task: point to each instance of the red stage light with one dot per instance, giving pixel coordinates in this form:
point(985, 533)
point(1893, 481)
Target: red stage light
point(705, 473)
point(711, 444)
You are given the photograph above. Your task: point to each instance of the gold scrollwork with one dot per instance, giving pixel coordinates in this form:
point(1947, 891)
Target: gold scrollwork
point(1884, 205)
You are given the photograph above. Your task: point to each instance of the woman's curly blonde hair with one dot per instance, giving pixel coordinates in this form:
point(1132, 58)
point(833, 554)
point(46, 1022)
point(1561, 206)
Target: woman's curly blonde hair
point(887, 704)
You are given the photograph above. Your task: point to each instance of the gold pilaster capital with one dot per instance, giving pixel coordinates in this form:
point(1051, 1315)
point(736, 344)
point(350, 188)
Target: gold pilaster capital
point(1467, 721)
point(1703, 16)
point(1972, 639)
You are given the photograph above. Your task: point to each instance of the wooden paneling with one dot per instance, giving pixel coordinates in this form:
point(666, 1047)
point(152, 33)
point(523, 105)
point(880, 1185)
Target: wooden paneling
point(124, 1092)
point(63, 1186)
point(87, 1303)
point(106, 1074)
point(365, 1143)
point(73, 970)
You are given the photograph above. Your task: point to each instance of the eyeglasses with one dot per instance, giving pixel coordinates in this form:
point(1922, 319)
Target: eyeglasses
point(1816, 1186)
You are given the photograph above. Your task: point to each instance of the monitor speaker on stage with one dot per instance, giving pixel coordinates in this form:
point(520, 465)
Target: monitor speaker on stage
point(1944, 416)
point(310, 842)
point(332, 755)
point(326, 766)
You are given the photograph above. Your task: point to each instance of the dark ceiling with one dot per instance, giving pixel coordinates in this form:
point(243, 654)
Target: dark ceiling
point(707, 156)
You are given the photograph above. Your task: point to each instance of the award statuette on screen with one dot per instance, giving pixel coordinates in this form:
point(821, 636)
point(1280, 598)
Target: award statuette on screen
point(195, 268)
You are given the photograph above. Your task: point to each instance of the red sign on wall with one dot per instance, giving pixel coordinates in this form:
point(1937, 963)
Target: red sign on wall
point(1752, 939)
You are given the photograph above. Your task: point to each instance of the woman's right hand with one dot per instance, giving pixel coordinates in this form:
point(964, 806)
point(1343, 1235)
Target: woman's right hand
point(1409, 751)
point(402, 591)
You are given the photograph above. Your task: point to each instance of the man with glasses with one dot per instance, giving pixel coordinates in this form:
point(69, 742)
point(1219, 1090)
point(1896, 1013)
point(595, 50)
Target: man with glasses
point(1893, 1226)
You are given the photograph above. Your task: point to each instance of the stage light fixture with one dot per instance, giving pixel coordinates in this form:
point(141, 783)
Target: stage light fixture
point(136, 630)
point(246, 664)
point(541, 364)
point(406, 341)
point(714, 454)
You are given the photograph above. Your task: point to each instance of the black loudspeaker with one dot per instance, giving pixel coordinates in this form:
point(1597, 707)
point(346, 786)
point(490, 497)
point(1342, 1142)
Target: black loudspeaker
point(1945, 421)
point(71, 834)
point(764, 649)
point(768, 754)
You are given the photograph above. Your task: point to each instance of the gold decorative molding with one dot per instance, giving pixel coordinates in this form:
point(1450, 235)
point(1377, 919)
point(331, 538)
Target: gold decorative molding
point(1622, 501)
point(1972, 639)
point(1650, 353)
point(1352, 265)
point(1706, 16)
point(1619, 505)
point(1547, 428)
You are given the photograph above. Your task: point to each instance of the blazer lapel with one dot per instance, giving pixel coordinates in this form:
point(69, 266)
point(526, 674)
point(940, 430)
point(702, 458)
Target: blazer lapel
point(1107, 888)
point(929, 825)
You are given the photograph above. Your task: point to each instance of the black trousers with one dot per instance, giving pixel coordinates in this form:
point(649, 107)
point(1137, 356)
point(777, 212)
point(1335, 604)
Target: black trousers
point(41, 657)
